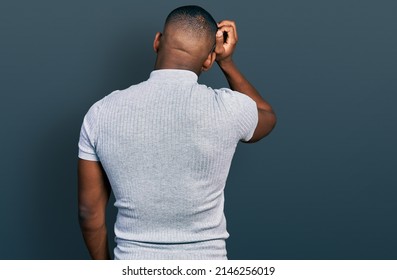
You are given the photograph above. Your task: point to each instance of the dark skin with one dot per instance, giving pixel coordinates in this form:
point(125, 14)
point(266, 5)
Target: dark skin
point(175, 50)
point(224, 51)
point(93, 196)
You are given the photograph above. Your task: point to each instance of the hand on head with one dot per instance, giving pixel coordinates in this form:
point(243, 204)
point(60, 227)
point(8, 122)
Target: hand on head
point(226, 40)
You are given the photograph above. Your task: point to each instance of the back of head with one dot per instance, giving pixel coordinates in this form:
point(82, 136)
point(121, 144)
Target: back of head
point(191, 26)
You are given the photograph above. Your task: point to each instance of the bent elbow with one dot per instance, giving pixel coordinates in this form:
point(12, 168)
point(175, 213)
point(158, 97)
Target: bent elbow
point(272, 121)
point(266, 123)
point(269, 123)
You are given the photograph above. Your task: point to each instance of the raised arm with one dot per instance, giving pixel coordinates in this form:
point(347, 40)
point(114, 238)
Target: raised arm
point(93, 195)
point(226, 40)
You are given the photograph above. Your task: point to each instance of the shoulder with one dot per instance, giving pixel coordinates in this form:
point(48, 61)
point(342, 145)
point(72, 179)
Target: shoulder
point(98, 105)
point(235, 98)
point(231, 94)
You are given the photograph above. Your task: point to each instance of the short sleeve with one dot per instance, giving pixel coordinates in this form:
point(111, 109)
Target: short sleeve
point(244, 110)
point(247, 116)
point(88, 134)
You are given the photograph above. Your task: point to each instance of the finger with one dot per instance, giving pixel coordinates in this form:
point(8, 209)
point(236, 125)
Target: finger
point(231, 34)
point(225, 22)
point(219, 42)
point(229, 23)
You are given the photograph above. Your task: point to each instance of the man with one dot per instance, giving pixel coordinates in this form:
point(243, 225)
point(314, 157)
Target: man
point(164, 147)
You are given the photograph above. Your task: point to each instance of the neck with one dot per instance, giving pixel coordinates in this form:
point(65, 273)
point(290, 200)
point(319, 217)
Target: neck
point(181, 61)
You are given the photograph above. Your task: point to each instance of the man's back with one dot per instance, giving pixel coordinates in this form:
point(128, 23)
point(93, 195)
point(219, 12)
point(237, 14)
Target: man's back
point(166, 146)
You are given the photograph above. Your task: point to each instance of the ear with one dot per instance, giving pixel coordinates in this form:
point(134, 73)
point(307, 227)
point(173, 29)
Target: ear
point(209, 61)
point(156, 42)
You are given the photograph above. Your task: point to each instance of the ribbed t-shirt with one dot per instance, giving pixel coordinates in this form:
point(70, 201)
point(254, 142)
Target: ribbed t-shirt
point(166, 146)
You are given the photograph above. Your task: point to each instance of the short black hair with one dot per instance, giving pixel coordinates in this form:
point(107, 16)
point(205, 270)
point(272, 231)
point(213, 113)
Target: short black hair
point(194, 18)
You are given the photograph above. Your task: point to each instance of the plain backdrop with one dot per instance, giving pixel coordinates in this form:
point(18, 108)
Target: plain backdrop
point(323, 185)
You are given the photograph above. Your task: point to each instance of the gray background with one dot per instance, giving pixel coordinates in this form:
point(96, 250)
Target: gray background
point(321, 186)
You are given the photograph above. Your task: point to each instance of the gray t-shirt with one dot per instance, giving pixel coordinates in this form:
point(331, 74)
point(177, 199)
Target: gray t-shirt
point(166, 145)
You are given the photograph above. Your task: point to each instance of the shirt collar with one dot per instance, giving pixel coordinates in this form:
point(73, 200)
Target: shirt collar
point(175, 75)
